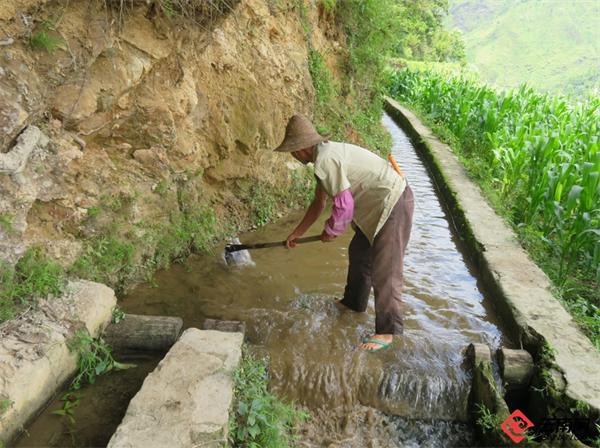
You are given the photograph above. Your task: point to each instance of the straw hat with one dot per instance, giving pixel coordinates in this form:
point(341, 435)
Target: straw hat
point(299, 134)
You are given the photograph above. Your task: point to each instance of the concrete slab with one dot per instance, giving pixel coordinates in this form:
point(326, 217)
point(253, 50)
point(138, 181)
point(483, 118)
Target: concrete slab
point(522, 291)
point(34, 358)
point(185, 401)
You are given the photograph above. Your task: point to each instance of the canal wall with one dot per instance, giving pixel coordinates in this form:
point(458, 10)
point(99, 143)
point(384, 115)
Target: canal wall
point(521, 291)
point(35, 360)
point(185, 401)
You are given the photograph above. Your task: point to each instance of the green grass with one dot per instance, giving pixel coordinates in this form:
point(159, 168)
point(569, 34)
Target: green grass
point(266, 201)
point(5, 405)
point(349, 108)
point(537, 158)
point(301, 189)
point(194, 230)
point(487, 420)
point(328, 5)
point(44, 39)
point(106, 259)
point(260, 419)
point(32, 278)
point(6, 223)
point(262, 203)
point(550, 45)
point(321, 78)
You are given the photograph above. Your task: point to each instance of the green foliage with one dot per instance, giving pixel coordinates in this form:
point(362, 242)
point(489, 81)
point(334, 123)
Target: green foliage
point(111, 258)
point(94, 358)
point(488, 421)
point(5, 405)
point(302, 12)
point(262, 203)
point(70, 401)
point(302, 187)
point(167, 7)
point(45, 40)
point(328, 5)
point(596, 441)
point(109, 203)
point(162, 187)
point(93, 212)
point(117, 315)
point(538, 159)
point(33, 277)
point(321, 78)
point(267, 200)
point(260, 420)
point(349, 109)
point(6, 223)
point(422, 34)
point(113, 202)
point(193, 230)
point(105, 259)
point(550, 45)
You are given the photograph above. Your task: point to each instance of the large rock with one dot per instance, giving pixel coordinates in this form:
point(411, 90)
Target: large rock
point(185, 401)
point(34, 358)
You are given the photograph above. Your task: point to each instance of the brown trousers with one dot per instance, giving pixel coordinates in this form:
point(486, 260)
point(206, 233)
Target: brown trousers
point(381, 266)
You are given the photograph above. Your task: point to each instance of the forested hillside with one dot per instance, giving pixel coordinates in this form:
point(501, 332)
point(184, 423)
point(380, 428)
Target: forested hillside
point(551, 45)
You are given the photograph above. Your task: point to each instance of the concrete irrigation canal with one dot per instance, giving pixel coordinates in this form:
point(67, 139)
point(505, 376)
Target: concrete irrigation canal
point(417, 394)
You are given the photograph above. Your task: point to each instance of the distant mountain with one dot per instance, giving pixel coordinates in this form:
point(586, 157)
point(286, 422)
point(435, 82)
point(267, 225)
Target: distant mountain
point(552, 45)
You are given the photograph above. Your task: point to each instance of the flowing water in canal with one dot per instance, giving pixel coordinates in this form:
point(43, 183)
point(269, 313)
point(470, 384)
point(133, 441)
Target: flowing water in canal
point(413, 394)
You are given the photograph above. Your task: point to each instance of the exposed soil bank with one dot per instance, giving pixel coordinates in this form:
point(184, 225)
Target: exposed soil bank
point(522, 292)
point(138, 121)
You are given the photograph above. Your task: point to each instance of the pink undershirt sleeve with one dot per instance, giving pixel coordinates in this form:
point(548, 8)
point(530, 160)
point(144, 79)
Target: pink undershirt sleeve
point(341, 214)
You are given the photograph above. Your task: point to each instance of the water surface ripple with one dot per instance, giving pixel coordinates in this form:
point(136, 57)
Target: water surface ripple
point(286, 300)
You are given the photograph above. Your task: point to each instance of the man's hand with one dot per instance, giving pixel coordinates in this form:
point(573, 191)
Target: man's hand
point(290, 242)
point(327, 238)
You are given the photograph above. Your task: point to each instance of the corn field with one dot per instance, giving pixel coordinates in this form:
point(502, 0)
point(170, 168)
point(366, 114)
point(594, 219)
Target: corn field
point(539, 155)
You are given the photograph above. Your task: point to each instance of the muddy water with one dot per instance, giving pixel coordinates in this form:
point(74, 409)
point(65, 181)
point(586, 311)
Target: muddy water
point(287, 302)
point(101, 409)
point(413, 394)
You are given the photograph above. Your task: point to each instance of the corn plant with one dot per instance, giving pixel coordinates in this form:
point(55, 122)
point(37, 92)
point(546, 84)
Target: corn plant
point(540, 155)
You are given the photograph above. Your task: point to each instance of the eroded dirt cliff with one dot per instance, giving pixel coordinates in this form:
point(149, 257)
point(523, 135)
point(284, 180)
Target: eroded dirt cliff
point(148, 116)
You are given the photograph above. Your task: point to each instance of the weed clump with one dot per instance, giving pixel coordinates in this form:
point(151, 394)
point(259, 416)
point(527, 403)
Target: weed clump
point(33, 277)
point(260, 418)
point(43, 39)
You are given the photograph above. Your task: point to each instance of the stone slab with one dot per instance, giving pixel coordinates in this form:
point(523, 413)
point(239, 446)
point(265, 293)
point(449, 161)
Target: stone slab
point(143, 332)
point(34, 358)
point(185, 401)
point(233, 326)
point(520, 284)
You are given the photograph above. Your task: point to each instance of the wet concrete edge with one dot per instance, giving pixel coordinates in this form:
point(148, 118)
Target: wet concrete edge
point(186, 401)
point(35, 358)
point(521, 291)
